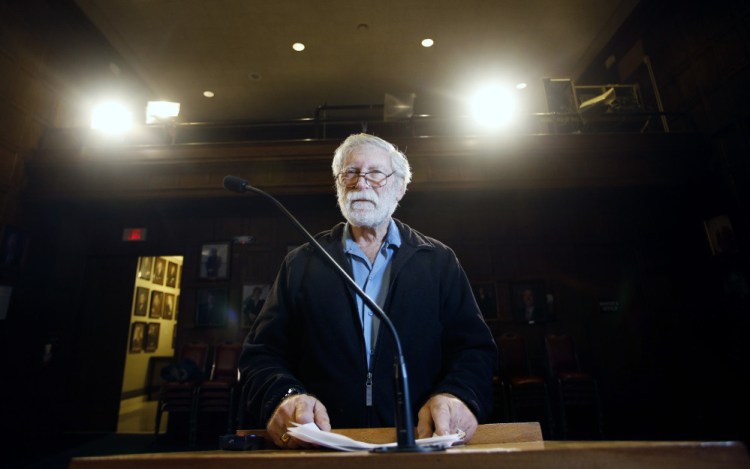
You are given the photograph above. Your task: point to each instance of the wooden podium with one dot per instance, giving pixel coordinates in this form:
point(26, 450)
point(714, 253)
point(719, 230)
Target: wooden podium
point(494, 446)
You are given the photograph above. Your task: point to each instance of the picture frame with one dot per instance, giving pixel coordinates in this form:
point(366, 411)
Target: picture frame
point(214, 262)
point(141, 301)
point(720, 234)
point(212, 306)
point(145, 264)
point(152, 337)
point(253, 298)
point(159, 271)
point(169, 306)
point(13, 244)
point(137, 336)
point(6, 291)
point(172, 274)
point(157, 304)
point(530, 302)
point(485, 294)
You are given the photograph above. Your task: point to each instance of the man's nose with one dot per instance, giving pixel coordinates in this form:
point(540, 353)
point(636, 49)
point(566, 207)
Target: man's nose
point(361, 182)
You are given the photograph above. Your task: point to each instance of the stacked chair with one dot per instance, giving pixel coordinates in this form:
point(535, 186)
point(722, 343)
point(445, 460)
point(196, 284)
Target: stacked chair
point(526, 393)
point(217, 394)
point(577, 390)
point(178, 396)
point(197, 395)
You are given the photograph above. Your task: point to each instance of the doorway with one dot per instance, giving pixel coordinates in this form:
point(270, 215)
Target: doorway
point(151, 339)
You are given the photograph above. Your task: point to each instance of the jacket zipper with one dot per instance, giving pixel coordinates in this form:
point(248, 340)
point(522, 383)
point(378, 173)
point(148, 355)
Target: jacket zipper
point(368, 389)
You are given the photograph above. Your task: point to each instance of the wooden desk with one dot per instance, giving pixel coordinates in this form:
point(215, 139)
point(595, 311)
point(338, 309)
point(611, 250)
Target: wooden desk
point(532, 452)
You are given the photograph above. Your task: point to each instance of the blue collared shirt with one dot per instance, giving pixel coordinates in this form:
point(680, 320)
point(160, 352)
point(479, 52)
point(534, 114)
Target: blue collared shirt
point(373, 278)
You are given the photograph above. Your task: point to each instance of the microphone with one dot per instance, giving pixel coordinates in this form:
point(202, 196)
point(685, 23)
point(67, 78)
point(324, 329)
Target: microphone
point(404, 422)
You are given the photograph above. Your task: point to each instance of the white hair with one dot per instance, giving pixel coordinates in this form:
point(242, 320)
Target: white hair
point(398, 159)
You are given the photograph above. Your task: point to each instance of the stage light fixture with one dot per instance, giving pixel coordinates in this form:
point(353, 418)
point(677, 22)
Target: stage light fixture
point(111, 117)
point(161, 111)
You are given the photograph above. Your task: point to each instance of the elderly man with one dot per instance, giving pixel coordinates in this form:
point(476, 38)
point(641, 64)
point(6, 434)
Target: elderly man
point(316, 352)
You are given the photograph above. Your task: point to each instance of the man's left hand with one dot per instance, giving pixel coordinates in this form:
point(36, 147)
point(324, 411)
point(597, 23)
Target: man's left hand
point(445, 414)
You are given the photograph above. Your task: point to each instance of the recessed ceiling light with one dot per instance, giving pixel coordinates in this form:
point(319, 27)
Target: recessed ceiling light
point(208, 94)
point(255, 76)
point(427, 42)
point(362, 27)
point(298, 46)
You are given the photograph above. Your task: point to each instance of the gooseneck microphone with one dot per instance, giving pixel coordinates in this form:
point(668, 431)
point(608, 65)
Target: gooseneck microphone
point(404, 422)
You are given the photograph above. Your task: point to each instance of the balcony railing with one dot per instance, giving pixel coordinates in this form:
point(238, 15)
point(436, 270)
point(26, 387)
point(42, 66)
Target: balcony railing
point(332, 123)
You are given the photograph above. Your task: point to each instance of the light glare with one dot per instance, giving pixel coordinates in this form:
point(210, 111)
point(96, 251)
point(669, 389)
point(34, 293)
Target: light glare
point(159, 110)
point(493, 106)
point(112, 118)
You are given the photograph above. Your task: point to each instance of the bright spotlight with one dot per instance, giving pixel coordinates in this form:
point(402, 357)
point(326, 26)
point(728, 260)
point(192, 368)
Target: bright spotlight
point(494, 106)
point(160, 111)
point(112, 118)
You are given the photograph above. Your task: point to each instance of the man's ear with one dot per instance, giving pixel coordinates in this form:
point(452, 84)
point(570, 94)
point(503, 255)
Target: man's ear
point(401, 192)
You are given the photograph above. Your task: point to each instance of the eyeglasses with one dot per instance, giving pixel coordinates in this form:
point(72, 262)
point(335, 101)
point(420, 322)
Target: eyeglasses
point(374, 179)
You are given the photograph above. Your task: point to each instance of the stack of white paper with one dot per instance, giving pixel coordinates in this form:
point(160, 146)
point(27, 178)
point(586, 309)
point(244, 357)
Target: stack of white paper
point(310, 433)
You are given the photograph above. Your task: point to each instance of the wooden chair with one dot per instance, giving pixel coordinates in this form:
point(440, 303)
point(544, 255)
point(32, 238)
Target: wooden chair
point(178, 396)
point(577, 390)
point(217, 394)
point(526, 393)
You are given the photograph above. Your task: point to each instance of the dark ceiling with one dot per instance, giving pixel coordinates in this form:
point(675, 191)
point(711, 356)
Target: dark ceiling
point(356, 51)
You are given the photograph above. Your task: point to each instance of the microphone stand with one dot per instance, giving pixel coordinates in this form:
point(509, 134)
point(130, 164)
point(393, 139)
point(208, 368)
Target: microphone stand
point(404, 422)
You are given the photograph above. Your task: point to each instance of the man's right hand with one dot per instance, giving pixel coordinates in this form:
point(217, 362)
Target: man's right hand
point(299, 408)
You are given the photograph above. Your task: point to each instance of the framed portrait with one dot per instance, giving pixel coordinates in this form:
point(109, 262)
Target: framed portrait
point(140, 303)
point(214, 261)
point(5, 293)
point(145, 264)
point(253, 298)
point(157, 304)
point(13, 243)
point(173, 269)
point(169, 306)
point(152, 336)
point(137, 335)
point(212, 306)
point(159, 271)
point(720, 235)
point(486, 296)
point(530, 302)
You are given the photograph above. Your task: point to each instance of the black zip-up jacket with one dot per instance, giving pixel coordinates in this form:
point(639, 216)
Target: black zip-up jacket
point(308, 336)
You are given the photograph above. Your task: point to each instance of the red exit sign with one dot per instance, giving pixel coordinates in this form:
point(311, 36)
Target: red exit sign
point(134, 234)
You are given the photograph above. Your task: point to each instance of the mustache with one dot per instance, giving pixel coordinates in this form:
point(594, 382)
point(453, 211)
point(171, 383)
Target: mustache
point(369, 196)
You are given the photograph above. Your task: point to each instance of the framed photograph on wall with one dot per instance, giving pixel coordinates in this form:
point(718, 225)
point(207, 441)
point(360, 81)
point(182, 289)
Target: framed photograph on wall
point(486, 296)
point(530, 302)
point(137, 334)
point(13, 242)
point(720, 235)
point(145, 264)
point(140, 305)
point(157, 304)
point(253, 298)
point(212, 306)
point(152, 336)
point(169, 302)
point(214, 261)
point(160, 270)
point(172, 273)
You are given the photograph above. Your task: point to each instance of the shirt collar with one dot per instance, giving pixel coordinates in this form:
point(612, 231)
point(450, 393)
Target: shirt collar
point(392, 237)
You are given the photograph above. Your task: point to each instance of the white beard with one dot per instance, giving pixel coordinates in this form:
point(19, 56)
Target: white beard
point(365, 208)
